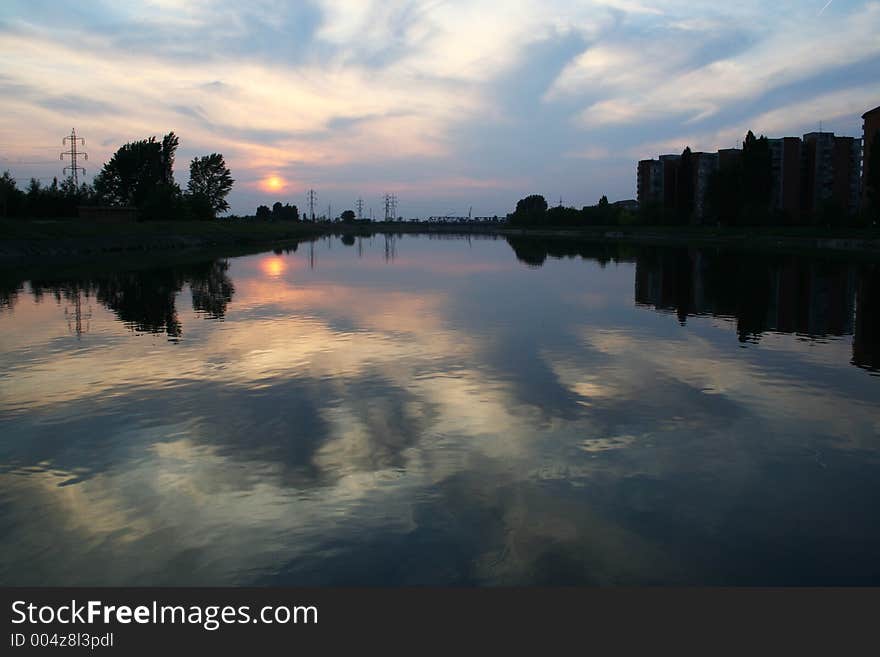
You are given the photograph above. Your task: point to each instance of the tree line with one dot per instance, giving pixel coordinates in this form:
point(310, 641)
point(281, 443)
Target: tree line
point(140, 174)
point(57, 199)
point(288, 212)
point(534, 211)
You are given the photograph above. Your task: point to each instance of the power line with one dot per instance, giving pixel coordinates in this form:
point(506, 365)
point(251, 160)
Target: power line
point(73, 154)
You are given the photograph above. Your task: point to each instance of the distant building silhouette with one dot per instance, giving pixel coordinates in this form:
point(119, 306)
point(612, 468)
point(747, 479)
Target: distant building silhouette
point(649, 182)
point(808, 175)
point(629, 204)
point(831, 172)
point(660, 181)
point(669, 164)
point(705, 164)
point(787, 172)
point(657, 180)
point(871, 126)
point(729, 157)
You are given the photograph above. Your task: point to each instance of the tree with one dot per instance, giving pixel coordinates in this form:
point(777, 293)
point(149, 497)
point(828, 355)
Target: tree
point(724, 194)
point(209, 182)
point(757, 179)
point(348, 216)
point(137, 171)
point(10, 197)
point(263, 212)
point(169, 148)
point(606, 214)
point(684, 187)
point(284, 212)
point(562, 216)
point(530, 210)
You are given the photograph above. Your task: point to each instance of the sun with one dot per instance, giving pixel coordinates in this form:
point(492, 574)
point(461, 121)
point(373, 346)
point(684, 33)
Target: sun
point(273, 183)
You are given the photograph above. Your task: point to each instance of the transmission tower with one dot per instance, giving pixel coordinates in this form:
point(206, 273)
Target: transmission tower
point(390, 207)
point(312, 198)
point(329, 212)
point(73, 154)
point(360, 207)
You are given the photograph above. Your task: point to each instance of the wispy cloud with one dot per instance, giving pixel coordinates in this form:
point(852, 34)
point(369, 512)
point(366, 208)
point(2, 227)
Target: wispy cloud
point(350, 96)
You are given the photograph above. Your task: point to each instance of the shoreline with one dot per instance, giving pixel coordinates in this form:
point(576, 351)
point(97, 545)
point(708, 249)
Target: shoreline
point(62, 241)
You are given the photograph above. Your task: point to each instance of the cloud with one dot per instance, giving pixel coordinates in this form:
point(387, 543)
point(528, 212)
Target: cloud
point(463, 90)
point(836, 110)
point(803, 49)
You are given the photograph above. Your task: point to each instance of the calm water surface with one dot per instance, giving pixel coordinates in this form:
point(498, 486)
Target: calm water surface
point(442, 411)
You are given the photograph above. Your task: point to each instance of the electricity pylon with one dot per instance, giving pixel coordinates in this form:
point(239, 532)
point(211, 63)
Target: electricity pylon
point(73, 154)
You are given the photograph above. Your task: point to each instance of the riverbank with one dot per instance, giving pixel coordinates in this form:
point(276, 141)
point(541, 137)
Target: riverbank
point(799, 239)
point(66, 239)
point(22, 240)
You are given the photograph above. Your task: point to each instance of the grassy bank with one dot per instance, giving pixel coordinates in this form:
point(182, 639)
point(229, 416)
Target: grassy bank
point(786, 238)
point(53, 238)
point(23, 240)
point(49, 229)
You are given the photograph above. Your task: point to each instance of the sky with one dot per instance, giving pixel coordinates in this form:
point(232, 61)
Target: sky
point(454, 106)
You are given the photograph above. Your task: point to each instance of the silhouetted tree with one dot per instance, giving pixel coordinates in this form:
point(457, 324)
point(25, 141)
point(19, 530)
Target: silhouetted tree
point(724, 194)
point(166, 202)
point(209, 183)
point(54, 200)
point(530, 211)
point(603, 214)
point(562, 216)
point(757, 179)
point(34, 189)
point(348, 216)
point(11, 199)
point(684, 187)
point(263, 212)
point(166, 157)
point(284, 212)
point(138, 171)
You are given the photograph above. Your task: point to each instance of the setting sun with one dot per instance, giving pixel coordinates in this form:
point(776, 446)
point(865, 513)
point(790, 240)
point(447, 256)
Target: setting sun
point(273, 184)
